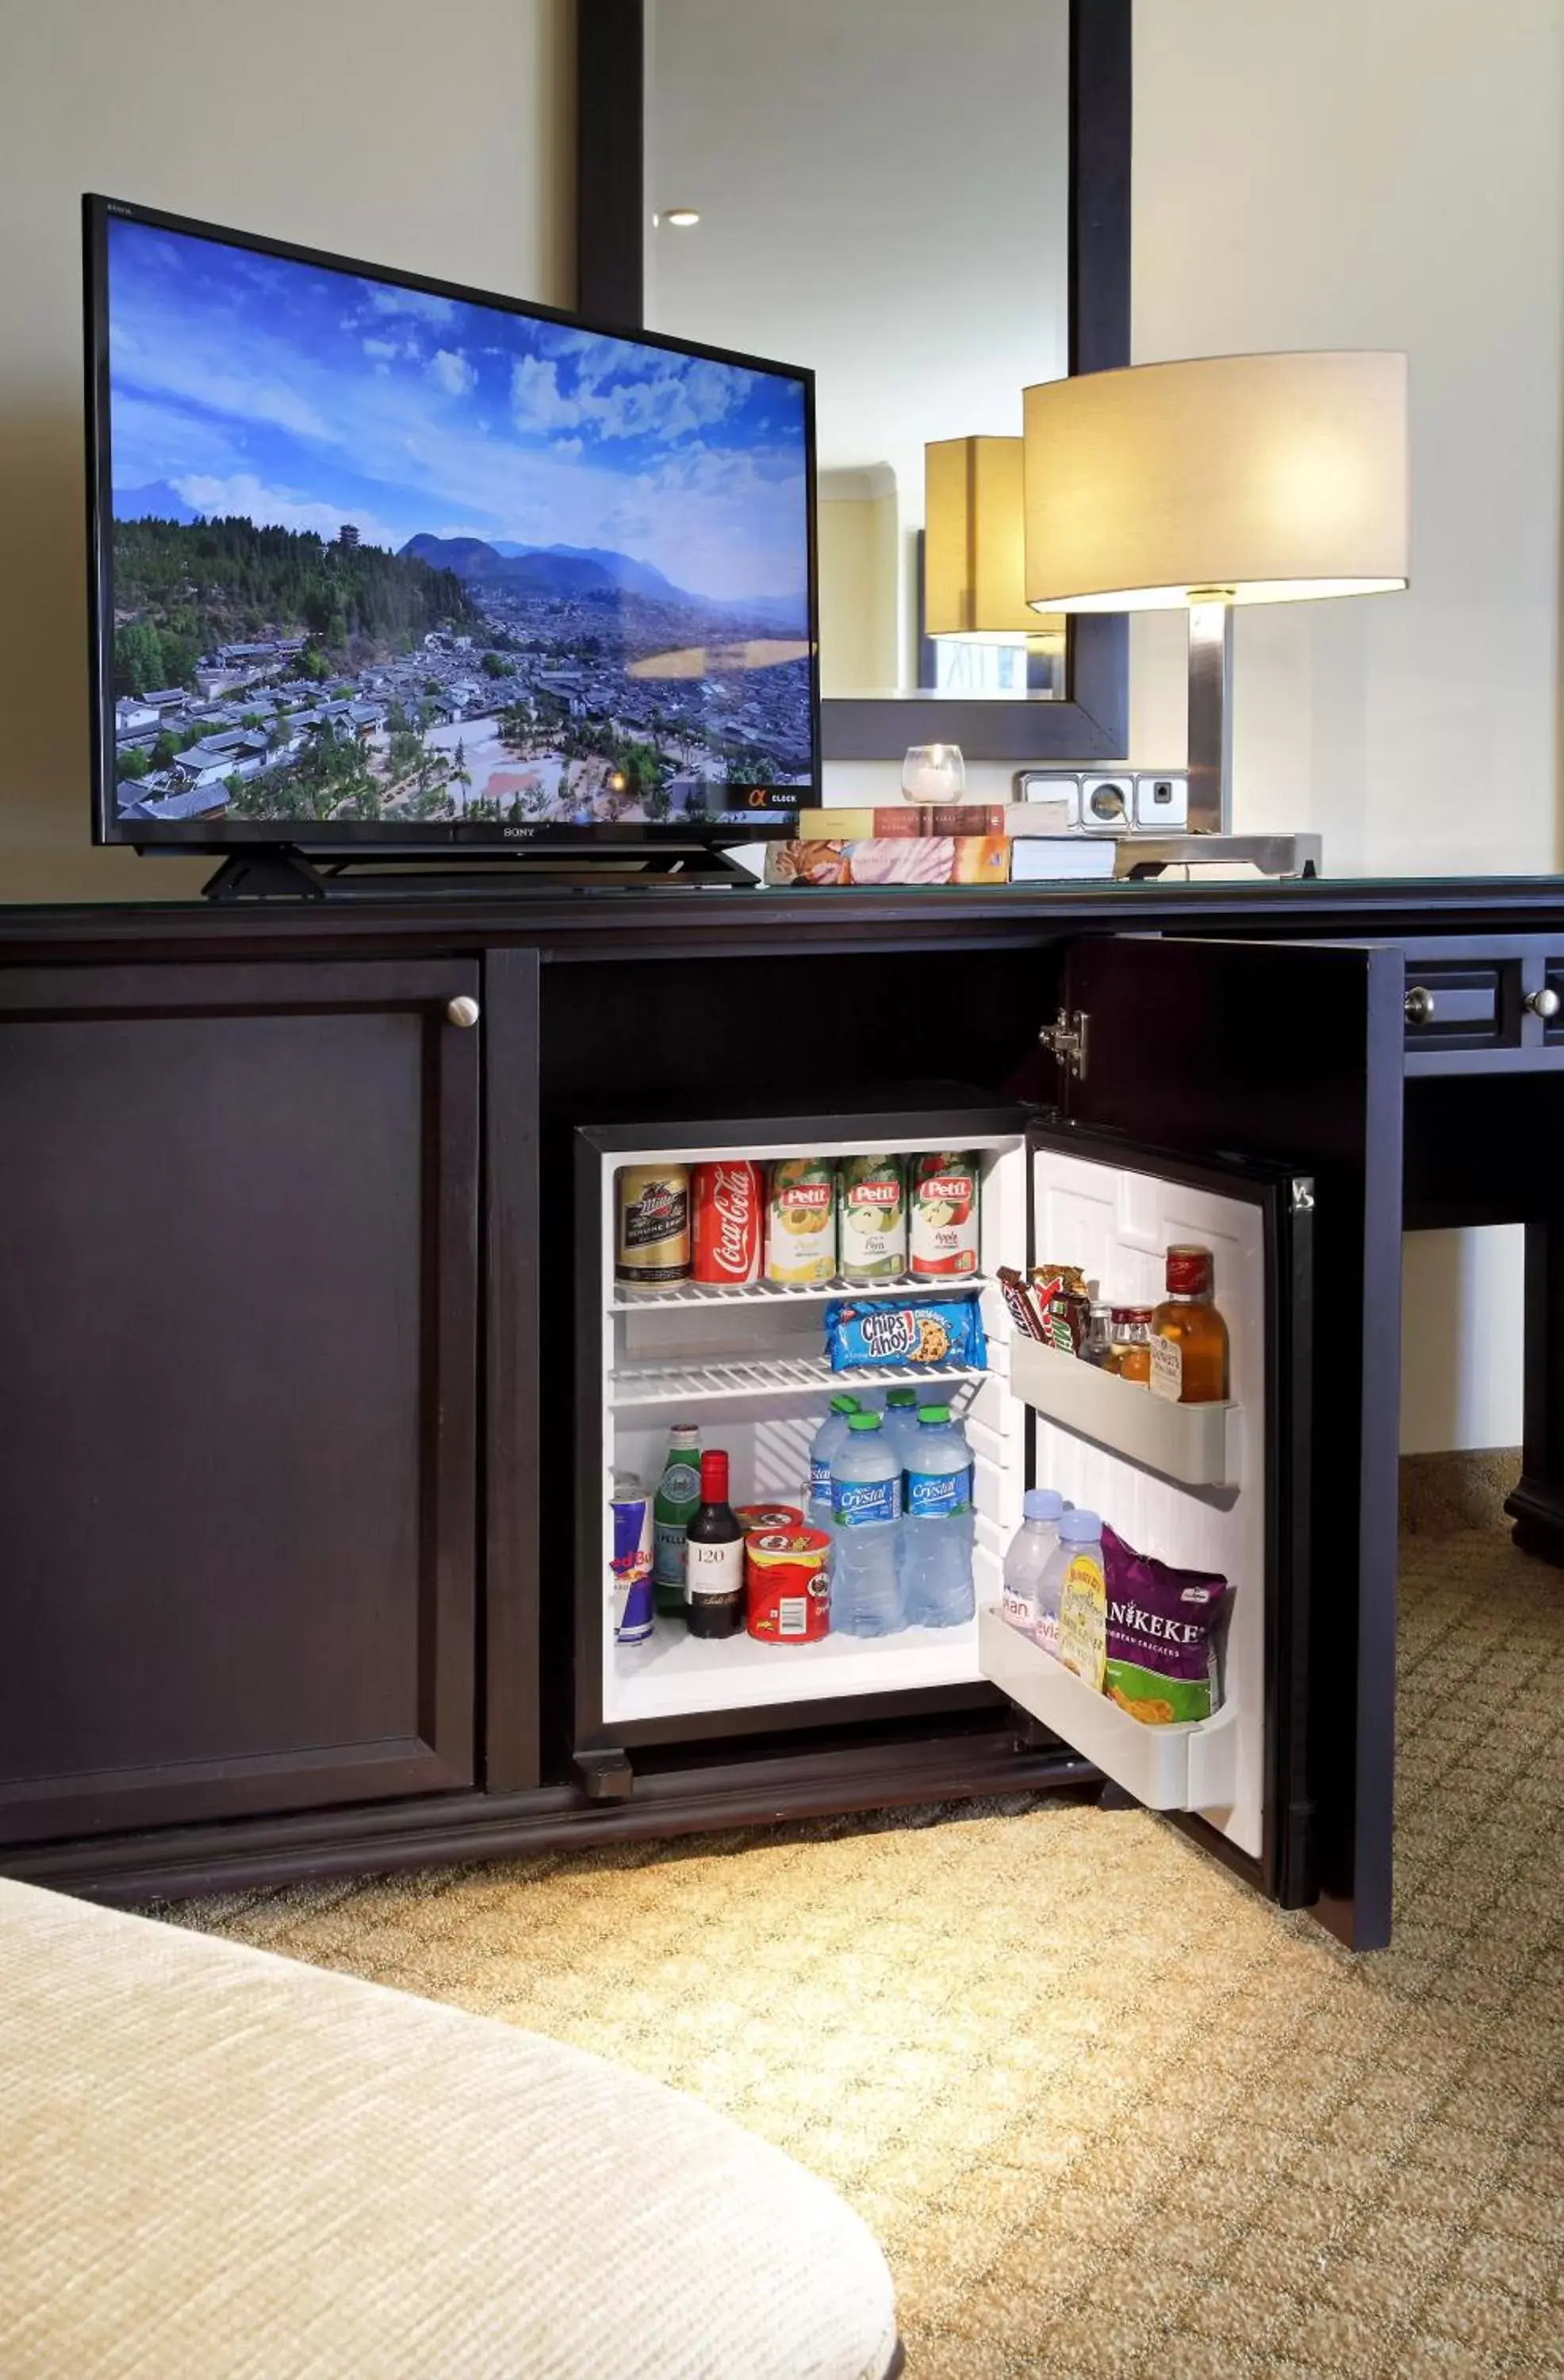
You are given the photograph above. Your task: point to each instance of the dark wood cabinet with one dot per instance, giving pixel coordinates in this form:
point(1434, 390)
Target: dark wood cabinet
point(238, 1211)
point(290, 1518)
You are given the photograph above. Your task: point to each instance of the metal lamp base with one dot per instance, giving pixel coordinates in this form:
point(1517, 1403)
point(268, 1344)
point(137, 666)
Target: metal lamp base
point(1273, 854)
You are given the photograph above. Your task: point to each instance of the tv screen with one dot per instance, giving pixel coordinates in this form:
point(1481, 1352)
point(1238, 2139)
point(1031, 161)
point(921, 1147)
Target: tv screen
point(380, 560)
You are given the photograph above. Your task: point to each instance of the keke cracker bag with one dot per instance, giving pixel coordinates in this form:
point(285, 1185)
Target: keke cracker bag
point(1161, 1635)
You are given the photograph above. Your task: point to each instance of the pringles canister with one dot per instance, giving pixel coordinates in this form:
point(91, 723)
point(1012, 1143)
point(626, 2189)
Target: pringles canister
point(787, 1592)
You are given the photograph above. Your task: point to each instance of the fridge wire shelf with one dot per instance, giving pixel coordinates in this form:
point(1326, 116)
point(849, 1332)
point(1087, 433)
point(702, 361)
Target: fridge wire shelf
point(691, 1293)
point(717, 1382)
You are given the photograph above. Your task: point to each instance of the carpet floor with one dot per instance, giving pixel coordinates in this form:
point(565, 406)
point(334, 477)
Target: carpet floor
point(1107, 2112)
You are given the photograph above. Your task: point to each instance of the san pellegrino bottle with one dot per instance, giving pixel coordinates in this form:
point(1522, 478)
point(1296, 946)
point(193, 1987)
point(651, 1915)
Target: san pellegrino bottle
point(677, 1501)
point(714, 1556)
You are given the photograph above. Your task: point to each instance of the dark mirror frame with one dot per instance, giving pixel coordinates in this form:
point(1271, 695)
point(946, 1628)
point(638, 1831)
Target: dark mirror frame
point(1092, 724)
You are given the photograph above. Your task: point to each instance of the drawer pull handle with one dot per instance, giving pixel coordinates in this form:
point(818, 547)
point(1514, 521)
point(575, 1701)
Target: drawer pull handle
point(1419, 1005)
point(463, 1010)
point(1543, 1003)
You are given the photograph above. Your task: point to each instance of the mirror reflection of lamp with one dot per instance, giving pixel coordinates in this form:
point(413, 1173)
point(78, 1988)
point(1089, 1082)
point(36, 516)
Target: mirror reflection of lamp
point(974, 550)
point(1268, 479)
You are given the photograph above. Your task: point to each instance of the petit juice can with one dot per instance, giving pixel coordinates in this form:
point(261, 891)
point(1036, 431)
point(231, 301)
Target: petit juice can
point(873, 1218)
point(801, 1223)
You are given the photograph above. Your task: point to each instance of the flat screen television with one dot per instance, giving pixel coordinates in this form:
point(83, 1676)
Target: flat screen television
point(380, 562)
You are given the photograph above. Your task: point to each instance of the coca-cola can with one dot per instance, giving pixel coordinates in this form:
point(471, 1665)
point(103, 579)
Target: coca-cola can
point(729, 1198)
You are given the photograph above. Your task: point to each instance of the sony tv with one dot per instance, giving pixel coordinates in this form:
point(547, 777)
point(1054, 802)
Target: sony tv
point(380, 562)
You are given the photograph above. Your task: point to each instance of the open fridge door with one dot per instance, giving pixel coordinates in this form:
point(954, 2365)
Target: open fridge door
point(1218, 1488)
point(1290, 1054)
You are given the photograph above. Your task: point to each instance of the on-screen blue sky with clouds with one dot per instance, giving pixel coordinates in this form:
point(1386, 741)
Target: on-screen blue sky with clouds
point(304, 398)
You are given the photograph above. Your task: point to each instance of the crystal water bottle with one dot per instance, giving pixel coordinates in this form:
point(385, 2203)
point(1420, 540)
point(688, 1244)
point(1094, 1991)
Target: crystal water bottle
point(937, 1542)
point(865, 1501)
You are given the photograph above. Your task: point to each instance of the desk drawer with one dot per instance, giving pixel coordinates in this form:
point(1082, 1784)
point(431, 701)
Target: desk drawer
point(1479, 1007)
point(1461, 1005)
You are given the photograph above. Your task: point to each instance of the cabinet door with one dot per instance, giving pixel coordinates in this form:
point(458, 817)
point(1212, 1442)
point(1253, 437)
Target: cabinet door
point(237, 1314)
point(1291, 1055)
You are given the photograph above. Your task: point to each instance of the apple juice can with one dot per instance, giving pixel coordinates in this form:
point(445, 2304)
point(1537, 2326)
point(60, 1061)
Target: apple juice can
point(729, 1201)
point(872, 1219)
point(651, 1245)
point(942, 1215)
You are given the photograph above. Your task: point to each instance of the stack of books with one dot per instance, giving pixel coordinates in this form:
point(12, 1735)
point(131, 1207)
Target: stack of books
point(924, 842)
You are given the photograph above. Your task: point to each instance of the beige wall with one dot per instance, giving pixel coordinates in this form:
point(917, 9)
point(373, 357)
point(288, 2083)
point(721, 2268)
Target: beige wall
point(1391, 174)
point(429, 136)
point(1386, 174)
point(858, 537)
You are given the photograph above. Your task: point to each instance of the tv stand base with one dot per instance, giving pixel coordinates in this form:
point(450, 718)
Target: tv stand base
point(283, 872)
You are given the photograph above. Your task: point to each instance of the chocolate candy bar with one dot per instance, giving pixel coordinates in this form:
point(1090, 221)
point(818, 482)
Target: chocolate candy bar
point(1019, 1302)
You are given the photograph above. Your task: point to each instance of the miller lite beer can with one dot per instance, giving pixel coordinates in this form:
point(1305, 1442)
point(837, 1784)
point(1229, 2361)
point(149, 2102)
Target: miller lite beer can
point(652, 1248)
point(729, 1200)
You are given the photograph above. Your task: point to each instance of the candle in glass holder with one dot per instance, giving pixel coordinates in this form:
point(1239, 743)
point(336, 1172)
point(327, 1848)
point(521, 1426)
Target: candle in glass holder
point(933, 773)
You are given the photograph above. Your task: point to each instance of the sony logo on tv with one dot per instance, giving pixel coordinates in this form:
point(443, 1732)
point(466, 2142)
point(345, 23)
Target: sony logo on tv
point(519, 833)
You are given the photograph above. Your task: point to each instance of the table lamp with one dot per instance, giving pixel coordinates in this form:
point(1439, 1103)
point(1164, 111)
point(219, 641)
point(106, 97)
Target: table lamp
point(1271, 479)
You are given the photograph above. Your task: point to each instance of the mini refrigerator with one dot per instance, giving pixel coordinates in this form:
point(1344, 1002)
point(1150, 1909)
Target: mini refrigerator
point(1217, 1488)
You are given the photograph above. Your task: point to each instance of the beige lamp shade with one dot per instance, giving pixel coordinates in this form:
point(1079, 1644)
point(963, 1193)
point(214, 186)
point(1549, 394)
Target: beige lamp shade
point(973, 544)
point(1243, 478)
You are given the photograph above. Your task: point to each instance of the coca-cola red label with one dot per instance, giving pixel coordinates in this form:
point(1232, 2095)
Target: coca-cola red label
point(727, 1222)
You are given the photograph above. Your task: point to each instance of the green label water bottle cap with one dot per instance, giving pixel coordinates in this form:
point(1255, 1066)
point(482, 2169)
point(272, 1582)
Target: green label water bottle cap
point(862, 1421)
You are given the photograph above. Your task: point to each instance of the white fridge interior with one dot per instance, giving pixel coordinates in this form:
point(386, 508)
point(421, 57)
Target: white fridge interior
point(748, 1366)
point(1185, 1484)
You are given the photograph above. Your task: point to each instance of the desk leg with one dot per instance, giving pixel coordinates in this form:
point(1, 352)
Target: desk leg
point(1538, 1505)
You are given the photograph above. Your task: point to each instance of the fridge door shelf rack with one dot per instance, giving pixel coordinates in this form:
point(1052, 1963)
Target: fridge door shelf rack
point(707, 1293)
point(651, 1385)
point(1189, 1765)
point(1197, 1446)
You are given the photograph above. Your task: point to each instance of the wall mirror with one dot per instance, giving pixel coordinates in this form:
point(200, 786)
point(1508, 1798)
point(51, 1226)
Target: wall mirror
point(928, 207)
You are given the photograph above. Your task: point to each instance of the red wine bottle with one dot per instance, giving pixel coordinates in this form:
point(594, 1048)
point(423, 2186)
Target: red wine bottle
point(714, 1556)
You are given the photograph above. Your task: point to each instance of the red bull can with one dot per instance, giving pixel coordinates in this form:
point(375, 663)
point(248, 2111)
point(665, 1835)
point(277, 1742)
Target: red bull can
point(630, 1567)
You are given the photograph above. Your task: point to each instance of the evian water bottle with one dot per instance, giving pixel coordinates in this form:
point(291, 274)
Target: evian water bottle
point(729, 1201)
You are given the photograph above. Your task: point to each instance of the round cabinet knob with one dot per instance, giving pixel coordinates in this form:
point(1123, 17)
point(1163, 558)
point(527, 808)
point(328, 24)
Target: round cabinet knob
point(1543, 1003)
point(1419, 1005)
point(463, 1010)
